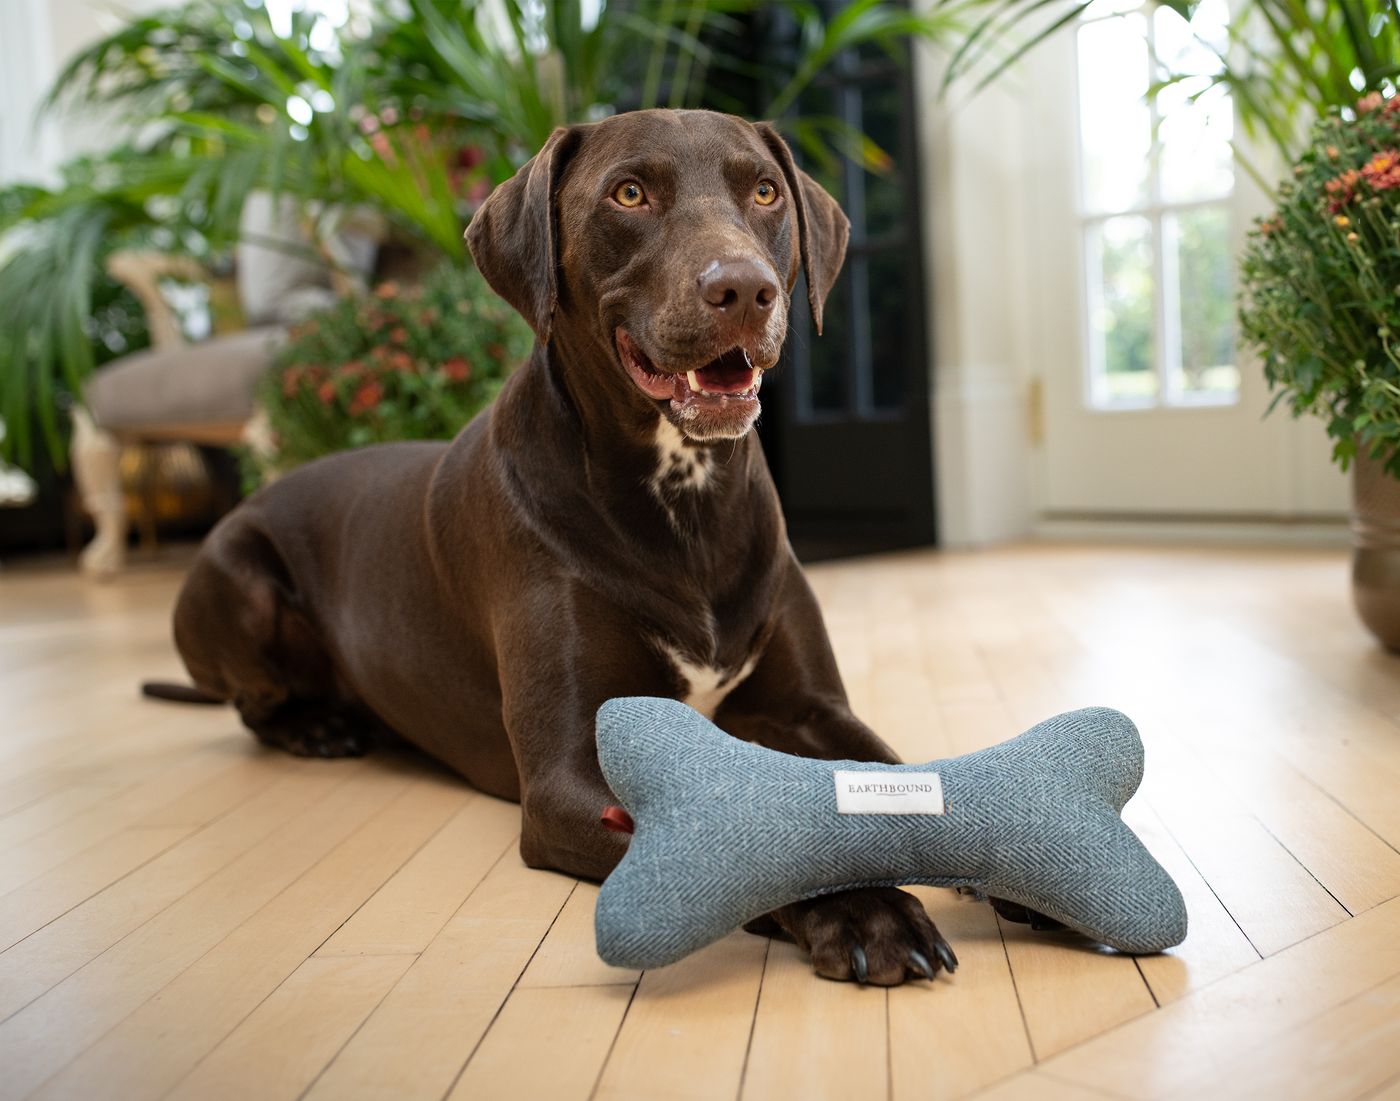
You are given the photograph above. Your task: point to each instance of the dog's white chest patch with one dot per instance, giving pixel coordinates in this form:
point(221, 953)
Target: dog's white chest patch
point(678, 467)
point(707, 686)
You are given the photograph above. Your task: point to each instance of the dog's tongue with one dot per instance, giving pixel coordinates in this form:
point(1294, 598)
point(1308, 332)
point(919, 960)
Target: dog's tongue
point(731, 373)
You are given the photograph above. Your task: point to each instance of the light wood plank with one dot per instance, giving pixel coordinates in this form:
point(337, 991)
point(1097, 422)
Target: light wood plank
point(45, 898)
point(420, 1037)
point(1345, 1053)
point(1146, 1058)
point(961, 1032)
point(568, 956)
point(686, 1035)
point(51, 1031)
point(44, 852)
point(1214, 947)
point(408, 912)
point(1070, 988)
point(49, 955)
point(280, 1048)
point(155, 1046)
point(548, 1044)
point(813, 1038)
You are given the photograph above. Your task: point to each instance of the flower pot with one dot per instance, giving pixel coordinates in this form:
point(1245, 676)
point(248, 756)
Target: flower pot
point(1375, 561)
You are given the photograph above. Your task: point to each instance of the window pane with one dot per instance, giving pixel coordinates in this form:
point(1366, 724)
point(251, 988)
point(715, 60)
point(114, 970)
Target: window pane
point(1119, 253)
point(1206, 368)
point(1196, 160)
point(1115, 125)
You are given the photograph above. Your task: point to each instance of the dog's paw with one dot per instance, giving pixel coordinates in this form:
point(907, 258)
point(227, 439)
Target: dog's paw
point(1024, 915)
point(876, 935)
point(312, 731)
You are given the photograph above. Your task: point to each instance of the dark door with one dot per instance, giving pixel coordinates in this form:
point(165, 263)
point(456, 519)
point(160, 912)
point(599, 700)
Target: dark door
point(846, 424)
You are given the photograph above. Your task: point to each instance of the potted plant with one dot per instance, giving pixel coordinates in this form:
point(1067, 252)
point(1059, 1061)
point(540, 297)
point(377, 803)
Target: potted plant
point(401, 363)
point(1320, 292)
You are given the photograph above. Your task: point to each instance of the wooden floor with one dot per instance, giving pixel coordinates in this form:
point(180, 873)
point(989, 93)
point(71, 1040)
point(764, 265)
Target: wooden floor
point(185, 915)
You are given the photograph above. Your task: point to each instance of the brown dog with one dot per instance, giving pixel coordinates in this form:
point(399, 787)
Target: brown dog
point(608, 528)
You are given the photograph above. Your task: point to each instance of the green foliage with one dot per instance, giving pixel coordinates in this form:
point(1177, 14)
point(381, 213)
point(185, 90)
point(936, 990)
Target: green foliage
point(1283, 61)
point(405, 363)
point(1320, 282)
point(416, 110)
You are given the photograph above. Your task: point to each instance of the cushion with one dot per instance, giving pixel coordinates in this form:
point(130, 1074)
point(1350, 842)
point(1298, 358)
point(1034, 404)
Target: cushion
point(726, 831)
point(192, 384)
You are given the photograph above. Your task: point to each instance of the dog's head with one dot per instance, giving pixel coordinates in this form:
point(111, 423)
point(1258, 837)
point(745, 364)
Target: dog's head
point(674, 238)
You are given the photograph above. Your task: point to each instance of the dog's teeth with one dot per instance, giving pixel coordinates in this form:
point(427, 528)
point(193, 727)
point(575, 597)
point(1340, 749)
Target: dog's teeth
point(693, 378)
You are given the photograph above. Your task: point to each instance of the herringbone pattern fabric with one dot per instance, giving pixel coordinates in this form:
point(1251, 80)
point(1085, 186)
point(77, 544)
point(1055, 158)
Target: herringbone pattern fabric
point(726, 831)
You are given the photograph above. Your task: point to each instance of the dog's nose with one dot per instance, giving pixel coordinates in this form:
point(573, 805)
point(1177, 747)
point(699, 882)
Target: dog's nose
point(735, 285)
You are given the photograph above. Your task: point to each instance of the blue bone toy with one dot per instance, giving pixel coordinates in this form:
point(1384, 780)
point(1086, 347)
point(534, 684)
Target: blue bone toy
point(726, 831)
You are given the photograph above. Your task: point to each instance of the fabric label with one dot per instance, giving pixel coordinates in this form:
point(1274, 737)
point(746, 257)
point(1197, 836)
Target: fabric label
point(889, 793)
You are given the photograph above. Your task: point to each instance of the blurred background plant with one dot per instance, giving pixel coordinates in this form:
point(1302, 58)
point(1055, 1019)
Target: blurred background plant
point(402, 363)
point(1321, 282)
point(416, 108)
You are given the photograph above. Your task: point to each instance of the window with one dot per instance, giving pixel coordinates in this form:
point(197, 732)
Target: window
point(1156, 177)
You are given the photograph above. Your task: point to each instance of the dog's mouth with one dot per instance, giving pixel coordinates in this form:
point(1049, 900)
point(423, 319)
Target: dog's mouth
point(727, 380)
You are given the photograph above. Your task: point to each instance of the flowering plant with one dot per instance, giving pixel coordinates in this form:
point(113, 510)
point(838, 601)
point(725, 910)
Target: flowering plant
point(401, 363)
point(1320, 282)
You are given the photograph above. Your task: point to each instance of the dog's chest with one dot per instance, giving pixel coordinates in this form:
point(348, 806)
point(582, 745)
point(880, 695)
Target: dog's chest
point(704, 687)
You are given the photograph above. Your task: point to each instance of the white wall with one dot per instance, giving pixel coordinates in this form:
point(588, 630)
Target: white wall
point(973, 175)
point(37, 37)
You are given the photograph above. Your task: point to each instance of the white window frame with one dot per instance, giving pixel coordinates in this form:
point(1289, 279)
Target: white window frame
point(1166, 312)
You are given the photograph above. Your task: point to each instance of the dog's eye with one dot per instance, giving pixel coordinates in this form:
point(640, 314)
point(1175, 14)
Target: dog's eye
point(765, 193)
point(630, 194)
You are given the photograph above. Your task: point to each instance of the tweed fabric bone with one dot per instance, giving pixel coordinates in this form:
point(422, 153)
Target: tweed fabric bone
point(726, 831)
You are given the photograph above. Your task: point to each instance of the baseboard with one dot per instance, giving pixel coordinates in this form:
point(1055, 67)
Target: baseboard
point(1311, 531)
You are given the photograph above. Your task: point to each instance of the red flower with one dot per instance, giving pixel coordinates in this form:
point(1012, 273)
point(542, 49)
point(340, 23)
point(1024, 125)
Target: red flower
point(326, 392)
point(469, 156)
point(366, 398)
point(351, 370)
point(402, 361)
point(496, 351)
point(399, 335)
point(1382, 171)
point(1368, 103)
point(457, 369)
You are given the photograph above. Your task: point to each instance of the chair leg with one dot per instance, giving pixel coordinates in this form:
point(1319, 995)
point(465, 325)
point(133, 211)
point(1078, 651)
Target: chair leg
point(96, 458)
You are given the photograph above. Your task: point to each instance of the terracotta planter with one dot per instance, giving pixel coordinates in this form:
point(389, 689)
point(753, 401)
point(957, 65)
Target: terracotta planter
point(1375, 561)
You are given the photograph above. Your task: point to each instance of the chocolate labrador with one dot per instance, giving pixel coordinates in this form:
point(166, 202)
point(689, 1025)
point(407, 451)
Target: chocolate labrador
point(607, 528)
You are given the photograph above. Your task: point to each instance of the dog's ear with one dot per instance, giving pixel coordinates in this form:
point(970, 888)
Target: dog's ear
point(822, 226)
point(514, 236)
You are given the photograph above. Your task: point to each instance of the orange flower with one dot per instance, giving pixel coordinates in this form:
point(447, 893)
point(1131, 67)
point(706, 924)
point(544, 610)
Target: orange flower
point(1332, 152)
point(457, 369)
point(351, 370)
point(1382, 171)
point(399, 335)
point(366, 398)
point(326, 392)
point(387, 290)
point(1369, 103)
point(1342, 189)
point(402, 361)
